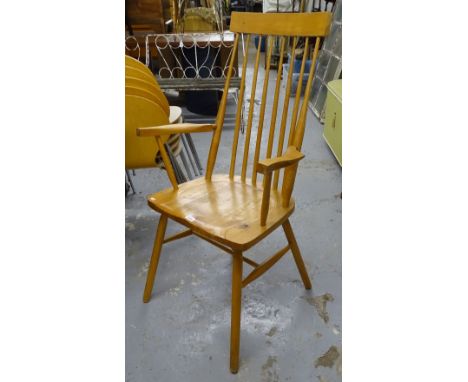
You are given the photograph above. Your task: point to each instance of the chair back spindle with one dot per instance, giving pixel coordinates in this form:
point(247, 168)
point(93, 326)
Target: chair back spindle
point(271, 135)
point(298, 89)
point(284, 116)
point(251, 111)
point(262, 111)
point(221, 113)
point(240, 104)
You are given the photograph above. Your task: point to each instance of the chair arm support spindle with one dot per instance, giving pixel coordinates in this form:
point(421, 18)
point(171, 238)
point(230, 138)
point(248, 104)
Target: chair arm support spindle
point(289, 161)
point(265, 198)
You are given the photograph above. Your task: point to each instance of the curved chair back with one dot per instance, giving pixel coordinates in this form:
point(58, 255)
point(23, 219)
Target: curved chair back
point(141, 92)
point(130, 61)
point(138, 73)
point(150, 87)
point(140, 152)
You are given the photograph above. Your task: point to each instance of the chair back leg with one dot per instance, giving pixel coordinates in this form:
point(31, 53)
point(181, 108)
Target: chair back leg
point(297, 254)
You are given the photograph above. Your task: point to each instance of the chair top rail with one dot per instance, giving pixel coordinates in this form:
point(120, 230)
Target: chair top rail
point(313, 24)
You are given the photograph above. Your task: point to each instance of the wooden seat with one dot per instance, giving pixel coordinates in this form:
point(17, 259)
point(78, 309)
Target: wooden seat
point(223, 209)
point(234, 212)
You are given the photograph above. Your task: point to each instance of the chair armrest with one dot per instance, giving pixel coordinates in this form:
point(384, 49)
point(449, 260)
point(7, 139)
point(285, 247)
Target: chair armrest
point(290, 157)
point(176, 128)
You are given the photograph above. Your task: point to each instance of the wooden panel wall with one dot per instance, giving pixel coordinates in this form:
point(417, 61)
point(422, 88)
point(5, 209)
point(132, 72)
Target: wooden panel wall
point(146, 12)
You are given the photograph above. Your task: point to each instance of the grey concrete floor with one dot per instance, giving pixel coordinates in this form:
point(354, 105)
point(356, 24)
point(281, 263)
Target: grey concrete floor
point(287, 332)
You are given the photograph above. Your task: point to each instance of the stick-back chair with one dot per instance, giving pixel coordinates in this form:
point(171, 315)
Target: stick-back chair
point(234, 212)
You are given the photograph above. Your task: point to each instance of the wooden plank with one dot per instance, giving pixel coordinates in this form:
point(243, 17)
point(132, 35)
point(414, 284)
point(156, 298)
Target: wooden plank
point(281, 24)
point(144, 11)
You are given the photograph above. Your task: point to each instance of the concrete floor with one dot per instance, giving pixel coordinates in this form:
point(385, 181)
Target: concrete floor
point(288, 333)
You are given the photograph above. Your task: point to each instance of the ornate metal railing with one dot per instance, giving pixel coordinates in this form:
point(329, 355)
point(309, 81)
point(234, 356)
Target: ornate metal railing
point(191, 61)
point(131, 46)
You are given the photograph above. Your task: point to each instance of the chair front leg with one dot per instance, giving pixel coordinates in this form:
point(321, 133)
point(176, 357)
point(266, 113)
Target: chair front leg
point(153, 266)
point(297, 254)
point(236, 310)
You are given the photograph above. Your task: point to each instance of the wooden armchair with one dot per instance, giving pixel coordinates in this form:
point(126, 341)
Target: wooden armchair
point(234, 212)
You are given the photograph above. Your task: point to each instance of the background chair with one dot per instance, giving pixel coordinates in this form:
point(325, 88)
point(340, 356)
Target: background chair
point(139, 81)
point(235, 212)
point(140, 153)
